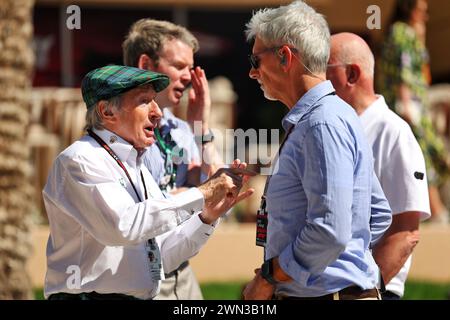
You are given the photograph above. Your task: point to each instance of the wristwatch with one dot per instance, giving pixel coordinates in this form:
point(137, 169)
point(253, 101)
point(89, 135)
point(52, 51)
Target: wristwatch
point(208, 137)
point(267, 272)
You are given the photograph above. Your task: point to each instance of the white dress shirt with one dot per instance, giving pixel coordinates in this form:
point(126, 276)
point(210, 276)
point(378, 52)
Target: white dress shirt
point(98, 227)
point(400, 167)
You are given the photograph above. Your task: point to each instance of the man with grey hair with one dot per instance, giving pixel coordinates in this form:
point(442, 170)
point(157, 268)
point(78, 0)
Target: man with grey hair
point(323, 208)
point(179, 159)
point(399, 162)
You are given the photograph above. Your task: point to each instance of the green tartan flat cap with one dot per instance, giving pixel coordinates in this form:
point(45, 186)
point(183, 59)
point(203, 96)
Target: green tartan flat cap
point(110, 81)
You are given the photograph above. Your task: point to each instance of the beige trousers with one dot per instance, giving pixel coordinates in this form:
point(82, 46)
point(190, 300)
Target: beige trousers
point(181, 286)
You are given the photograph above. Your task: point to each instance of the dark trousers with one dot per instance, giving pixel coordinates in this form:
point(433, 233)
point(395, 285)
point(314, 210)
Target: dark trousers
point(349, 293)
point(388, 295)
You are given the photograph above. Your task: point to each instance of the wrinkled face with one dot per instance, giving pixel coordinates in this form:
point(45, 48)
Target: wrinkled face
point(336, 73)
point(266, 73)
point(138, 116)
point(176, 60)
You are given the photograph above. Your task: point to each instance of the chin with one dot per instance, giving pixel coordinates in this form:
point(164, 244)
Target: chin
point(175, 102)
point(269, 97)
point(145, 144)
point(150, 142)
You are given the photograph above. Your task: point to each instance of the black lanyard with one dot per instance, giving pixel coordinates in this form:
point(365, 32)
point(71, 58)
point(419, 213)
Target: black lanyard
point(266, 186)
point(262, 214)
point(115, 157)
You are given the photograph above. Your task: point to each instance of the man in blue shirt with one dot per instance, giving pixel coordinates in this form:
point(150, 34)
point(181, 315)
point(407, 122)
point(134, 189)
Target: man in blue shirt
point(325, 207)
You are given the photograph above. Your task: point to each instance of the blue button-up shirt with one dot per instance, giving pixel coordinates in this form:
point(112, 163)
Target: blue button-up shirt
point(326, 207)
point(183, 136)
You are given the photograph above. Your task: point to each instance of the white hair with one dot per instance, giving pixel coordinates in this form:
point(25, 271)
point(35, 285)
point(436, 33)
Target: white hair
point(297, 25)
point(93, 116)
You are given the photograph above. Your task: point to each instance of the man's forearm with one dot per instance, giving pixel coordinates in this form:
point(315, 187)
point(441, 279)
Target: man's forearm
point(211, 159)
point(397, 244)
point(392, 252)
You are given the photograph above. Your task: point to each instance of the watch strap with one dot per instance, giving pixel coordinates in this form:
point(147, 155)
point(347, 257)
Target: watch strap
point(207, 137)
point(267, 271)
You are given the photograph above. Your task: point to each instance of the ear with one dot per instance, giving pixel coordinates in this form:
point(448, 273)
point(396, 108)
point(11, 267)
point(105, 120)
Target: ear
point(353, 72)
point(108, 117)
point(285, 55)
point(145, 62)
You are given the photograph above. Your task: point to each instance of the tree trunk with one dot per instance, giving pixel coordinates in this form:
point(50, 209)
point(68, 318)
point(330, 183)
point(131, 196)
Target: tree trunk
point(16, 64)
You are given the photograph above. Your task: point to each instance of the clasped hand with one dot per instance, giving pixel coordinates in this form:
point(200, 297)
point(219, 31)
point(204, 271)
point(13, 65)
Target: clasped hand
point(222, 191)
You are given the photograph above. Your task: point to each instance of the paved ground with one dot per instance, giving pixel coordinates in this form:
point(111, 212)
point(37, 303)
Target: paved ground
point(232, 255)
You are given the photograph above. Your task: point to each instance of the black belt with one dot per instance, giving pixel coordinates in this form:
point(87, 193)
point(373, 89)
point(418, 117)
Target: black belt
point(389, 295)
point(179, 269)
point(90, 296)
point(349, 293)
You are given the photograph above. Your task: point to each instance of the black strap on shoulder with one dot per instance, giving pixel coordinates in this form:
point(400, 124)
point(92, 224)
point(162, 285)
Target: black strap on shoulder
point(105, 146)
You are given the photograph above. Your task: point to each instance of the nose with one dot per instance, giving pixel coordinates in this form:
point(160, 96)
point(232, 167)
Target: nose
point(186, 76)
point(253, 73)
point(155, 113)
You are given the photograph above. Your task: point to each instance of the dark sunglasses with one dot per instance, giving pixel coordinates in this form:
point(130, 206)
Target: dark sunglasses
point(254, 58)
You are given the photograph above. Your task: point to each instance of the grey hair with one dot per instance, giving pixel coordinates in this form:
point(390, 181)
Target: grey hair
point(94, 118)
point(297, 25)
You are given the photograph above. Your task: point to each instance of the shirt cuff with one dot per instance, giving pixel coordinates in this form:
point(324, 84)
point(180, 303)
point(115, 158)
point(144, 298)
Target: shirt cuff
point(290, 266)
point(191, 200)
point(195, 230)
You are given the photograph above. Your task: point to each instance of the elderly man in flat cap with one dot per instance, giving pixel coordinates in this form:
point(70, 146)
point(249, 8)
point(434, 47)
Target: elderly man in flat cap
point(113, 234)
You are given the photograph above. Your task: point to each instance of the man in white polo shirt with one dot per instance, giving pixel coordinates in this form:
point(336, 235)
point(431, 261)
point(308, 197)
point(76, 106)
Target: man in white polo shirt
point(399, 162)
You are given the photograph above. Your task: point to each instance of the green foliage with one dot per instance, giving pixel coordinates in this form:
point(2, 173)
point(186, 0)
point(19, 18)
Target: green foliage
point(38, 294)
point(222, 290)
point(417, 290)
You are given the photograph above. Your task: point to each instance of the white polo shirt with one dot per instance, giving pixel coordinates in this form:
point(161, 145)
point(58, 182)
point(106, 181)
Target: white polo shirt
point(99, 229)
point(400, 167)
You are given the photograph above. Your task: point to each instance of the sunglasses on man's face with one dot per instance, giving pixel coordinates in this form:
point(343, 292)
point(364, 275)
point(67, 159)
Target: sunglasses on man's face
point(254, 58)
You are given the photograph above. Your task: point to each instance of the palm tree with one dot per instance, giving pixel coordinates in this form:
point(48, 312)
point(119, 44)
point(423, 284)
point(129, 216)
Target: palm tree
point(16, 63)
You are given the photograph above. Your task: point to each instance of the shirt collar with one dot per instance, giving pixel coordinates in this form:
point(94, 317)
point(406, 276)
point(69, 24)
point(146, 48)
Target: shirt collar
point(374, 108)
point(124, 150)
point(306, 102)
point(168, 120)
